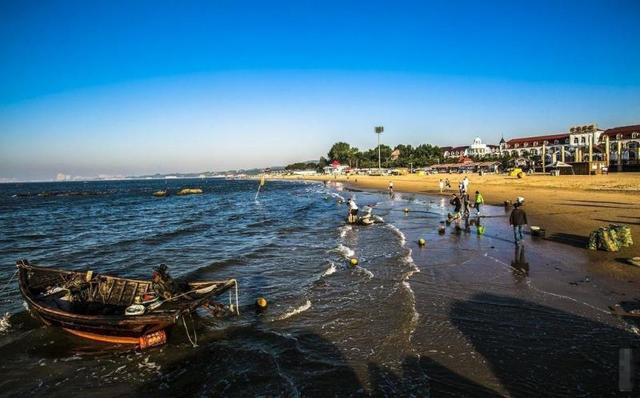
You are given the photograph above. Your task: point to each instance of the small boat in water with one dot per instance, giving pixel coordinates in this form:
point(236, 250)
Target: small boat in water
point(113, 309)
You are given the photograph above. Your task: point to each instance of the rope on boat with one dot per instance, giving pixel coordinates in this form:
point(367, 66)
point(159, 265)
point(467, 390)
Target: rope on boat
point(193, 342)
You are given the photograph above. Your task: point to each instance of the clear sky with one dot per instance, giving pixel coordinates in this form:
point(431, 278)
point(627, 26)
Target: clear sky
point(132, 87)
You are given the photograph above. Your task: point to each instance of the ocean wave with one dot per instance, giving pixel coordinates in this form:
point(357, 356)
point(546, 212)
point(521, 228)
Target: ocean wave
point(364, 271)
point(413, 323)
point(346, 252)
point(4, 322)
point(295, 311)
point(331, 270)
point(344, 229)
point(166, 236)
point(337, 196)
point(403, 238)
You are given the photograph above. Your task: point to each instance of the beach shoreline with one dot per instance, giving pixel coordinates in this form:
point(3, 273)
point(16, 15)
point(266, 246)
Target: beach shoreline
point(569, 207)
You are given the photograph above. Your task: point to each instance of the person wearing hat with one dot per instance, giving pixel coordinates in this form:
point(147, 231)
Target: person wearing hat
point(518, 219)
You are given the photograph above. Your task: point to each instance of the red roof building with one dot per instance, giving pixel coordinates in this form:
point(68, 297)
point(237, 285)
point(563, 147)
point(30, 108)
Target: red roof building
point(524, 142)
point(624, 133)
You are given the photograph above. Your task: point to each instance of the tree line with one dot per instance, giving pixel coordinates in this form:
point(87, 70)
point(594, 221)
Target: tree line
point(407, 156)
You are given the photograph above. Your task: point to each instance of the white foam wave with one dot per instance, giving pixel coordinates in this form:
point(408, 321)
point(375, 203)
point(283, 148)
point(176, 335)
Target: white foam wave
point(408, 259)
point(365, 271)
point(337, 196)
point(413, 323)
point(403, 238)
point(4, 323)
point(295, 311)
point(149, 366)
point(346, 251)
point(332, 269)
point(344, 229)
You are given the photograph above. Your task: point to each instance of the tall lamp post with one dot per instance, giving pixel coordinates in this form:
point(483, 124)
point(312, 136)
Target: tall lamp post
point(379, 130)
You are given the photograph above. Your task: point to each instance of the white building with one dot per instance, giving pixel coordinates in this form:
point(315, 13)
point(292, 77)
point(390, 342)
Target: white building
point(476, 149)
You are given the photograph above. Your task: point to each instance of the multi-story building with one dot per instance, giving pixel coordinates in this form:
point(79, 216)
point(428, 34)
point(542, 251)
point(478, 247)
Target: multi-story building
point(579, 144)
point(624, 145)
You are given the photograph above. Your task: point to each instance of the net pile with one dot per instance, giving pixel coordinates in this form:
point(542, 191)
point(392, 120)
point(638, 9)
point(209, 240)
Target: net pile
point(610, 238)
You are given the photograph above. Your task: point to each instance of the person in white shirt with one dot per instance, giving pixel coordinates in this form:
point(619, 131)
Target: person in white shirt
point(353, 210)
point(465, 184)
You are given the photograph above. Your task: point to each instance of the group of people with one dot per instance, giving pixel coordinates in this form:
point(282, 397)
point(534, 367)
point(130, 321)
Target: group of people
point(444, 184)
point(461, 207)
point(462, 204)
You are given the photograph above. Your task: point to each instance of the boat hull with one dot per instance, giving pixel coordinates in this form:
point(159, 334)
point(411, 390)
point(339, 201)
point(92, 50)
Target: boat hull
point(109, 324)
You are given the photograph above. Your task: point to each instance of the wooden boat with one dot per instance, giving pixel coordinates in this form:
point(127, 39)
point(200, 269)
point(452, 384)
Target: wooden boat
point(96, 306)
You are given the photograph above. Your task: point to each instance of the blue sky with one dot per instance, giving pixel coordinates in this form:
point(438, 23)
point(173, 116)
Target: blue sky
point(91, 88)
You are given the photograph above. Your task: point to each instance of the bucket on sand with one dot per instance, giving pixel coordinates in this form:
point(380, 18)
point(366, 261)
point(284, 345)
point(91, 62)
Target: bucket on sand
point(537, 231)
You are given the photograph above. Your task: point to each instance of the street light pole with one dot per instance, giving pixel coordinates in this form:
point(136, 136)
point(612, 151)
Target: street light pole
point(379, 130)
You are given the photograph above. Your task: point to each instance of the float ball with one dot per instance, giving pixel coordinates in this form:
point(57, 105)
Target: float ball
point(261, 303)
point(354, 262)
point(406, 210)
point(422, 242)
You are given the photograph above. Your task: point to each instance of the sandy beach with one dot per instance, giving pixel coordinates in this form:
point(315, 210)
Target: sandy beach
point(568, 207)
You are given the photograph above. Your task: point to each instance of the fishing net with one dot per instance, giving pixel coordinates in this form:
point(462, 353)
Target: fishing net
point(610, 238)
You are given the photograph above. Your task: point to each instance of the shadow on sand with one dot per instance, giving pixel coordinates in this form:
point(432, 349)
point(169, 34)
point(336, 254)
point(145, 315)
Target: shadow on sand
point(531, 349)
point(535, 350)
point(578, 241)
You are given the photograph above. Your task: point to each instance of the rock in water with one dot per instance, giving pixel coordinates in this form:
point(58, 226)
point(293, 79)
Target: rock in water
point(189, 191)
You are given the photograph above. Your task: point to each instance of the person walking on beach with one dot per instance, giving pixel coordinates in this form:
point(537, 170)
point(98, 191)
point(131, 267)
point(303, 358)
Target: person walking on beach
point(479, 201)
point(465, 184)
point(518, 219)
point(447, 184)
point(441, 184)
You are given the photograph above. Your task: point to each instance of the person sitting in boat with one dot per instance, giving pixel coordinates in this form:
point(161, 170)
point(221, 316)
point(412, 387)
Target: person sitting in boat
point(162, 283)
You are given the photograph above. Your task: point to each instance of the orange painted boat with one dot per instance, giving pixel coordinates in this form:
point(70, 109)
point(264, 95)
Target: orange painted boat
point(109, 308)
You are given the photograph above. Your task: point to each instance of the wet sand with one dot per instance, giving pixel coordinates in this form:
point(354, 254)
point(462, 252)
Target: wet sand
point(568, 207)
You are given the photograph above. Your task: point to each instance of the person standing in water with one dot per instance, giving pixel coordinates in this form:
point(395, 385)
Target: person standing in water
point(353, 210)
point(455, 202)
point(391, 187)
point(479, 201)
point(518, 219)
point(465, 203)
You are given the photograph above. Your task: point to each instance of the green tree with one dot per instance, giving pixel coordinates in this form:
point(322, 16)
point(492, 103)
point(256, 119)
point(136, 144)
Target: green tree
point(340, 151)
